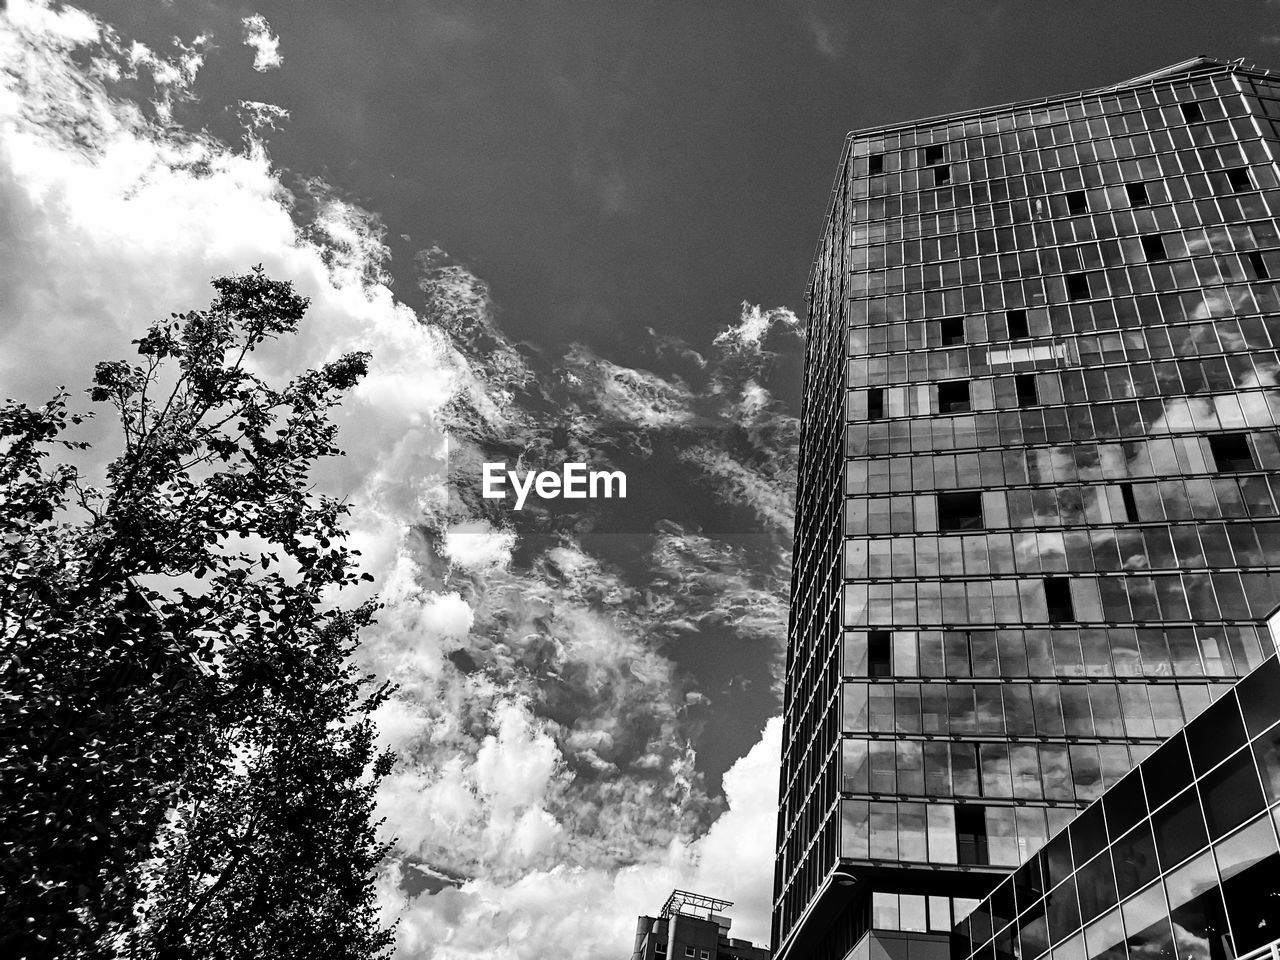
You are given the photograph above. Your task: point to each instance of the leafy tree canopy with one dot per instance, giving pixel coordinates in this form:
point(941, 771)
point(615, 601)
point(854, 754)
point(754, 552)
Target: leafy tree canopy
point(187, 763)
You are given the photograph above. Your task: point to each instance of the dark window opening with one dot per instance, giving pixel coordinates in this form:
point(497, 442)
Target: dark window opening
point(875, 404)
point(1257, 266)
point(960, 511)
point(1231, 452)
point(1153, 247)
point(952, 331)
point(935, 154)
point(1077, 286)
point(1017, 320)
point(1024, 384)
point(941, 175)
point(879, 654)
point(1192, 113)
point(953, 396)
point(875, 164)
point(971, 835)
point(1057, 596)
point(1130, 503)
point(1077, 202)
point(1137, 194)
point(1238, 179)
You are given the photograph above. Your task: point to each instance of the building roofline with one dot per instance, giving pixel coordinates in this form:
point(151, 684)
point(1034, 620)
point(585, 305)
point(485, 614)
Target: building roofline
point(1193, 66)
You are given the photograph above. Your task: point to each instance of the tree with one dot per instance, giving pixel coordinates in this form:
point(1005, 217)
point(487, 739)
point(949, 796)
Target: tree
point(187, 765)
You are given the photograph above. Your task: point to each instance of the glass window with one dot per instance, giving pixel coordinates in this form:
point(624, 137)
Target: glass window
point(1166, 771)
point(996, 780)
point(1245, 848)
point(1017, 324)
point(855, 777)
point(1072, 949)
point(1134, 859)
point(1033, 933)
point(1250, 870)
point(1096, 887)
point(1146, 918)
point(1057, 592)
point(960, 511)
point(854, 829)
point(1231, 452)
point(953, 396)
point(951, 330)
point(884, 911)
point(942, 832)
point(1219, 733)
point(1258, 702)
point(1124, 804)
point(964, 769)
point(1179, 829)
point(971, 835)
point(875, 403)
point(1231, 794)
point(1002, 836)
point(879, 659)
point(912, 913)
point(1077, 286)
point(912, 844)
point(1195, 906)
point(910, 767)
point(884, 831)
point(855, 707)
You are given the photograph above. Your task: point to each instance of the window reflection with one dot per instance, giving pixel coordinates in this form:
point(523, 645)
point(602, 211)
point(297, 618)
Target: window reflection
point(1196, 911)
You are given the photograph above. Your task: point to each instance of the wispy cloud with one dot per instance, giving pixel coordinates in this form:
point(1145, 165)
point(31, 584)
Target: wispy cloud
point(265, 44)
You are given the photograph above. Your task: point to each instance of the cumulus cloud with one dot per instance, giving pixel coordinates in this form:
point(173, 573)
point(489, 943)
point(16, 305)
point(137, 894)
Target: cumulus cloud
point(265, 45)
point(591, 911)
point(548, 785)
point(478, 546)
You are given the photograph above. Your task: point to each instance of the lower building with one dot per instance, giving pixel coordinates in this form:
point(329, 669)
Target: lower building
point(691, 926)
point(1178, 860)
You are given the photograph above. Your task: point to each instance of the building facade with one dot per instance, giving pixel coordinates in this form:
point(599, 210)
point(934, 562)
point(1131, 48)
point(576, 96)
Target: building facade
point(1177, 860)
point(691, 926)
point(1037, 516)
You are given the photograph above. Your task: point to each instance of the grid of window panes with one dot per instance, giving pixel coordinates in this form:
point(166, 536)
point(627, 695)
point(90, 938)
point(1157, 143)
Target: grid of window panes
point(1178, 860)
point(1063, 462)
point(809, 794)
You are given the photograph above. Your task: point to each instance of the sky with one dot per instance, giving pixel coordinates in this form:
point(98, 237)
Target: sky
point(567, 231)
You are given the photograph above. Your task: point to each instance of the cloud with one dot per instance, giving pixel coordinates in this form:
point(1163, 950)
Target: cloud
point(548, 785)
point(589, 911)
point(478, 546)
point(754, 326)
point(265, 45)
point(259, 118)
point(825, 40)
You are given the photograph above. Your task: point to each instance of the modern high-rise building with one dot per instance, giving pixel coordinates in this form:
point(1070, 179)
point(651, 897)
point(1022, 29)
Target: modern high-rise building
point(1037, 525)
point(1177, 861)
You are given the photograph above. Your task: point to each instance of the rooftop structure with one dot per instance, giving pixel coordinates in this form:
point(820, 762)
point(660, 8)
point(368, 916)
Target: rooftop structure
point(692, 926)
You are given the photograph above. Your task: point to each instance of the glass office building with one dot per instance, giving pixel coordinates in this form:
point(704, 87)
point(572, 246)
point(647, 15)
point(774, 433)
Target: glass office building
point(1037, 526)
point(1177, 861)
